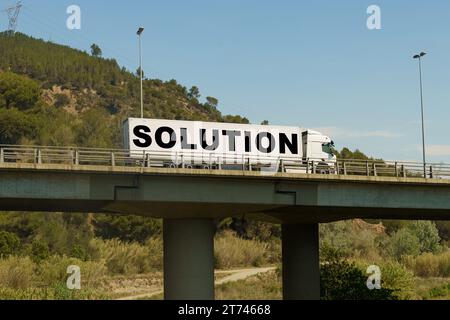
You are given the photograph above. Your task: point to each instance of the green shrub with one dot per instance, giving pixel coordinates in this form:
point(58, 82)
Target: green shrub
point(337, 235)
point(39, 250)
point(398, 279)
point(61, 292)
point(9, 244)
point(428, 235)
point(403, 243)
point(79, 252)
point(344, 280)
point(440, 292)
point(25, 294)
point(350, 240)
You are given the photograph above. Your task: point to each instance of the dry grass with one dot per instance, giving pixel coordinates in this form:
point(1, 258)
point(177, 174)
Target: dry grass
point(54, 269)
point(430, 265)
point(129, 258)
point(265, 286)
point(23, 279)
point(232, 252)
point(124, 285)
point(425, 286)
point(16, 272)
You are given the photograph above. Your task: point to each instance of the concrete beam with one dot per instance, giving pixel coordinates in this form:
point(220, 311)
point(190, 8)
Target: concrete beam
point(207, 194)
point(188, 259)
point(300, 252)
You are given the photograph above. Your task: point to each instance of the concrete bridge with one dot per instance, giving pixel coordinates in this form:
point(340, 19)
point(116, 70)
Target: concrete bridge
point(190, 199)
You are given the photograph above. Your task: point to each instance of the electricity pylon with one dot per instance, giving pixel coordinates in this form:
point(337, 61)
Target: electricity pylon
point(13, 14)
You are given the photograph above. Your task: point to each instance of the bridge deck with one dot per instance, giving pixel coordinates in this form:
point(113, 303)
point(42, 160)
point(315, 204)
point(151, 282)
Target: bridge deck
point(194, 193)
point(282, 176)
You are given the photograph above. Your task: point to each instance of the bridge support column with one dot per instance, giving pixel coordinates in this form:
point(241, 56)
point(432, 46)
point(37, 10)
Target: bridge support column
point(300, 252)
point(188, 259)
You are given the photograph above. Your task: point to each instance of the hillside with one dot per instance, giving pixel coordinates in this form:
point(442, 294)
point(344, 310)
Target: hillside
point(55, 95)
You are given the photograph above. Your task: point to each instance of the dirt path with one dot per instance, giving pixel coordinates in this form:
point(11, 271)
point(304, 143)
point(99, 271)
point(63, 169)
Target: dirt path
point(242, 274)
point(235, 275)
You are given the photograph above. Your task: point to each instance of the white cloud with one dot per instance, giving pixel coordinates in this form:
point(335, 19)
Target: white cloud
point(347, 133)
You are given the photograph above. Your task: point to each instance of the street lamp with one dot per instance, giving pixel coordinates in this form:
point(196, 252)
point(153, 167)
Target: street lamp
point(420, 56)
point(141, 75)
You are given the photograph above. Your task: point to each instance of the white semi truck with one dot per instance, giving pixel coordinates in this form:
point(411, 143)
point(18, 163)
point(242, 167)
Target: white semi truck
point(209, 145)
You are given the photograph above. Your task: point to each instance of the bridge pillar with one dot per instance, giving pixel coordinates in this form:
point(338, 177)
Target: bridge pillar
point(188, 259)
point(300, 254)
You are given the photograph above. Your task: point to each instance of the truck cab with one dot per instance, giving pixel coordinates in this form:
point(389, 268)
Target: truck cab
point(318, 147)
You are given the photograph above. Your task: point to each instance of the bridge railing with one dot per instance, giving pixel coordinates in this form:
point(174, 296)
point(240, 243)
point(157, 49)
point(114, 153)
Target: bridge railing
point(210, 160)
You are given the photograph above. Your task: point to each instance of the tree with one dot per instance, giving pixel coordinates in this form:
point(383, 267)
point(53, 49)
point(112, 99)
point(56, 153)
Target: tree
point(95, 131)
point(212, 102)
point(194, 92)
point(138, 73)
point(444, 230)
point(346, 153)
point(265, 123)
point(427, 234)
point(16, 125)
point(235, 119)
point(126, 227)
point(18, 91)
point(95, 50)
point(403, 243)
point(415, 238)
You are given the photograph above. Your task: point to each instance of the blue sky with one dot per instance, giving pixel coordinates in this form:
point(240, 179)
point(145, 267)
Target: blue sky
point(313, 64)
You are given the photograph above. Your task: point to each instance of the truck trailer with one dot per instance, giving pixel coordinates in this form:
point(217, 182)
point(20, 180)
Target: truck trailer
point(213, 145)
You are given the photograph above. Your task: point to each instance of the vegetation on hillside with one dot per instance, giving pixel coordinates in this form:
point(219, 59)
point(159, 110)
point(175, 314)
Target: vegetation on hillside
point(55, 95)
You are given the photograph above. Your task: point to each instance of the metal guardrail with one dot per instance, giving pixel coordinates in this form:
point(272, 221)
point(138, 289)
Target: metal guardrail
point(210, 161)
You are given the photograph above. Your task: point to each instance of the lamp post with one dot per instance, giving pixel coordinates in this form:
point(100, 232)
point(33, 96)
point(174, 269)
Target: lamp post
point(420, 56)
point(141, 75)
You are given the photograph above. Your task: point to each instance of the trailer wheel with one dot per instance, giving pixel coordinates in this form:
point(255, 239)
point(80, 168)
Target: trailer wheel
point(173, 166)
point(188, 166)
point(206, 167)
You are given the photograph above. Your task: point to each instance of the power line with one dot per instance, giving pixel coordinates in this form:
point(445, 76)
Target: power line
point(77, 38)
point(13, 15)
